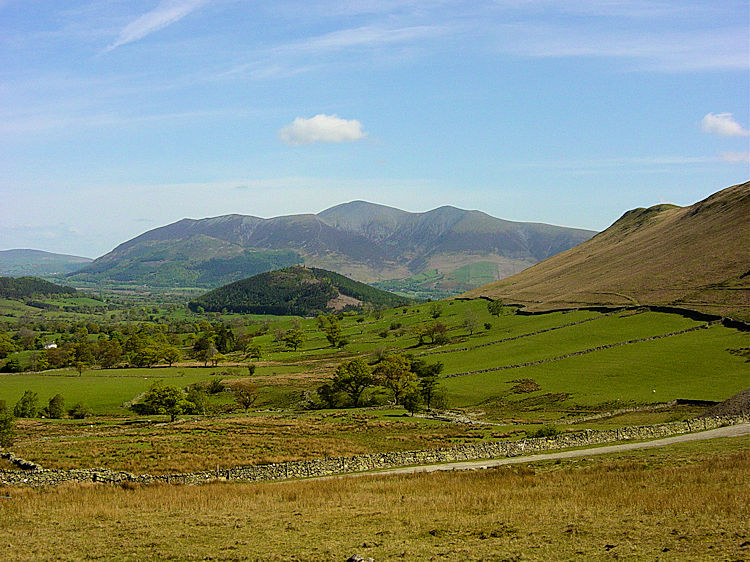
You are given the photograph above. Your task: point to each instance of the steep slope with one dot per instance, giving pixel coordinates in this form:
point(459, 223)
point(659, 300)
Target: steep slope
point(18, 263)
point(294, 290)
point(696, 257)
point(361, 240)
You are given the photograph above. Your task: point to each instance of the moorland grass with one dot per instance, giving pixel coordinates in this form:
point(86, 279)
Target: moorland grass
point(156, 447)
point(683, 502)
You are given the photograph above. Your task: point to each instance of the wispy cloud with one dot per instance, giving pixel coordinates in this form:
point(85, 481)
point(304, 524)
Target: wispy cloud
point(296, 57)
point(166, 13)
point(321, 128)
point(671, 51)
point(736, 157)
point(723, 124)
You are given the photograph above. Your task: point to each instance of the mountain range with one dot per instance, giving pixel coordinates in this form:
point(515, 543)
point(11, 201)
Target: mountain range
point(449, 249)
point(695, 257)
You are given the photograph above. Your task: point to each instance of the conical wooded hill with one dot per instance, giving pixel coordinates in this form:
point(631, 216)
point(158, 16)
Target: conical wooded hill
point(695, 257)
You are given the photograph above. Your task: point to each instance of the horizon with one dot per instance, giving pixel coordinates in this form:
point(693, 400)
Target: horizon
point(285, 215)
point(119, 118)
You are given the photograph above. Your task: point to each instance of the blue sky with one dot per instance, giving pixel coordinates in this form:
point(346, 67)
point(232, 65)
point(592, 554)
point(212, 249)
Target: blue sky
point(120, 116)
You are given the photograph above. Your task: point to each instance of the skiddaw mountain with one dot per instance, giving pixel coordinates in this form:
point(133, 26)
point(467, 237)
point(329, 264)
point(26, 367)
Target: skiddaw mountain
point(446, 249)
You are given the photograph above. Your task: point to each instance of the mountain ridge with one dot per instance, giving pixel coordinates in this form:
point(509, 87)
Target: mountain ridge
point(365, 241)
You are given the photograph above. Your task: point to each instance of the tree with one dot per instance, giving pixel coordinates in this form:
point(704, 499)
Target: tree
point(217, 358)
point(6, 345)
point(253, 351)
point(79, 411)
point(294, 338)
point(395, 374)
point(412, 399)
point(353, 378)
point(496, 307)
point(27, 405)
point(471, 322)
point(427, 375)
point(7, 427)
point(171, 354)
point(200, 401)
point(166, 399)
point(329, 324)
point(436, 310)
point(110, 353)
point(436, 331)
point(224, 338)
point(12, 366)
point(55, 407)
point(57, 357)
point(204, 347)
point(245, 394)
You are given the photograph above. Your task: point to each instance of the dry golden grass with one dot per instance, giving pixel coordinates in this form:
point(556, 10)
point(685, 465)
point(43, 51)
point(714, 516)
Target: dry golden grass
point(688, 502)
point(191, 445)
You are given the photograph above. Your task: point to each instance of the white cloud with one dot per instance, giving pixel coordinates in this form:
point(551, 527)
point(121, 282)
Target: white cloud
point(735, 157)
point(166, 13)
point(722, 124)
point(321, 128)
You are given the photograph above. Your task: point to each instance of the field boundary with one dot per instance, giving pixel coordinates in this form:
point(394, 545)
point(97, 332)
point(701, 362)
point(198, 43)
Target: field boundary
point(518, 337)
point(38, 477)
point(583, 351)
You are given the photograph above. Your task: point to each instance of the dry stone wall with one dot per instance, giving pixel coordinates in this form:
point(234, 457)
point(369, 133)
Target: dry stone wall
point(342, 465)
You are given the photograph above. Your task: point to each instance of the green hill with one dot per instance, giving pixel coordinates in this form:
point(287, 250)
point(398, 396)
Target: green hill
point(695, 257)
point(294, 291)
point(18, 263)
point(25, 287)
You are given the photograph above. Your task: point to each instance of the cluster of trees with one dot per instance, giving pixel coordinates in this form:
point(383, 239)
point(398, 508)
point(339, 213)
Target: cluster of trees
point(407, 381)
point(28, 407)
point(144, 344)
point(173, 401)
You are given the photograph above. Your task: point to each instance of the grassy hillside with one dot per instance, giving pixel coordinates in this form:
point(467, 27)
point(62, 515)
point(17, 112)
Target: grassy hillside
point(696, 257)
point(295, 290)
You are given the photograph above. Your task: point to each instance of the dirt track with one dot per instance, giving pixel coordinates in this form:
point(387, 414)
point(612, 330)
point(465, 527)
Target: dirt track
point(729, 431)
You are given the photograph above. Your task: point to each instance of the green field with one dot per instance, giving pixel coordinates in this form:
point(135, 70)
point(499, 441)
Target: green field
point(694, 365)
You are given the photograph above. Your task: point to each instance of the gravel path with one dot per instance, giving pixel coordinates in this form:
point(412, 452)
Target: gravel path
point(729, 431)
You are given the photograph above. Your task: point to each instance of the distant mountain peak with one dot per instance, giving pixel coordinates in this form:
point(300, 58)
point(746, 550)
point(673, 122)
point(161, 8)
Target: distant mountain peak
point(366, 241)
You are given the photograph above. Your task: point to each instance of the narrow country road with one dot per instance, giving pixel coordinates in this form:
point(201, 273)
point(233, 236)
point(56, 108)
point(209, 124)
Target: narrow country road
point(728, 431)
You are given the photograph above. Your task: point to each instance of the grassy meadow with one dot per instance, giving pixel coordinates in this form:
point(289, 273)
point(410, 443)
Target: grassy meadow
point(682, 502)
